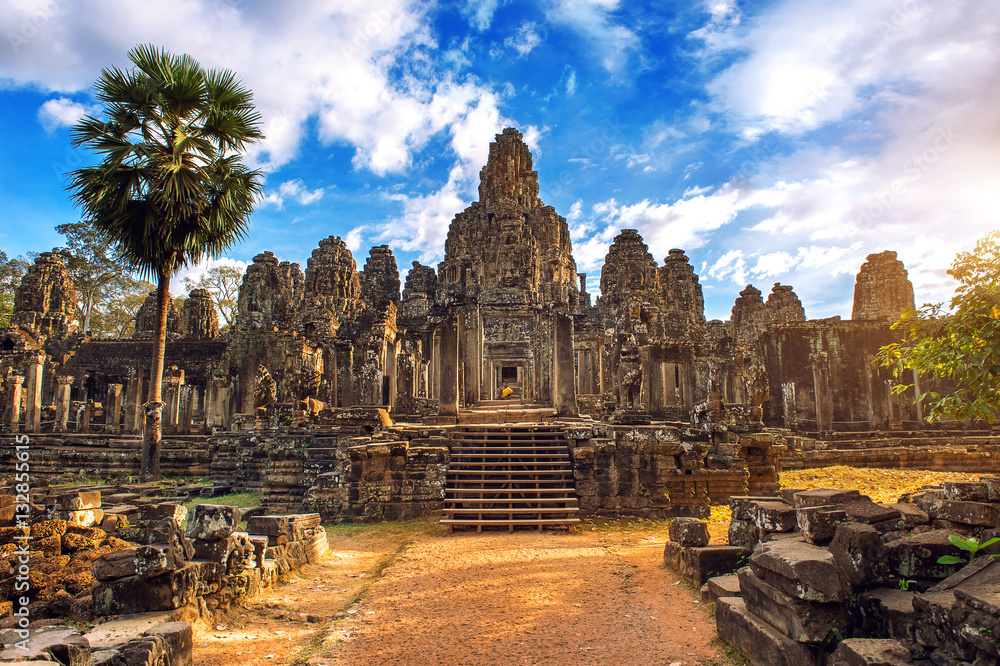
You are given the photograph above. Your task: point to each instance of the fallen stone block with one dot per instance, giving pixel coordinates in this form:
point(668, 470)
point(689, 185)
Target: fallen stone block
point(802, 621)
point(700, 564)
point(774, 516)
point(910, 515)
point(85, 517)
point(80, 501)
point(858, 551)
point(178, 639)
point(688, 532)
point(870, 652)
point(742, 506)
point(60, 644)
point(824, 497)
point(818, 524)
point(113, 565)
point(966, 513)
point(744, 533)
point(801, 570)
point(213, 550)
point(163, 511)
point(721, 586)
point(273, 527)
point(756, 639)
point(917, 556)
point(966, 491)
point(888, 613)
point(157, 558)
point(864, 510)
point(213, 521)
point(141, 595)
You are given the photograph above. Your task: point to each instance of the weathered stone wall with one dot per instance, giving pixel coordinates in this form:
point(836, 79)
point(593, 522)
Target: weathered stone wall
point(945, 452)
point(45, 301)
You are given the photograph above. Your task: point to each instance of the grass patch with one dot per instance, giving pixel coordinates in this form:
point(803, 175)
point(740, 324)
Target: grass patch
point(242, 500)
point(404, 529)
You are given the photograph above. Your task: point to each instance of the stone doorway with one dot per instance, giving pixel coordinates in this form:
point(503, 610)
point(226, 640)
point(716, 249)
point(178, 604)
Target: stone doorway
point(508, 374)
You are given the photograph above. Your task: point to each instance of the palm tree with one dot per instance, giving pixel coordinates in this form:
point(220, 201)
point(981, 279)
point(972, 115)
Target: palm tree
point(171, 187)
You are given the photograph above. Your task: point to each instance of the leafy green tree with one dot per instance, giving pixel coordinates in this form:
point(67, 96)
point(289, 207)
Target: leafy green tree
point(116, 316)
point(11, 272)
point(223, 282)
point(94, 263)
point(960, 345)
point(171, 188)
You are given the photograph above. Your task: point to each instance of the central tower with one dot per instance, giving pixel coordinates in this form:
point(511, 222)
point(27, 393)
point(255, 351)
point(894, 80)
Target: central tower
point(508, 282)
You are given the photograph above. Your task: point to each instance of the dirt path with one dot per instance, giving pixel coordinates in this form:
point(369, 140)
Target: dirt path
point(597, 595)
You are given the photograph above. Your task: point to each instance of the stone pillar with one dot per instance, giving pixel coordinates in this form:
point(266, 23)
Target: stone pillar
point(88, 413)
point(821, 391)
point(878, 418)
point(564, 379)
point(918, 404)
point(12, 403)
point(186, 398)
point(449, 367)
point(64, 392)
point(113, 409)
point(790, 411)
point(33, 394)
point(217, 403)
point(133, 403)
point(895, 407)
point(173, 380)
point(472, 357)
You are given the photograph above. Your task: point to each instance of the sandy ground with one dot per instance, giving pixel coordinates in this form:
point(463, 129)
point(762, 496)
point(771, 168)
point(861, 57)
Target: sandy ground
point(409, 594)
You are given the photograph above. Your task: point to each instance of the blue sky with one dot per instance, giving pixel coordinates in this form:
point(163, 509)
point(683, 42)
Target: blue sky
point(777, 141)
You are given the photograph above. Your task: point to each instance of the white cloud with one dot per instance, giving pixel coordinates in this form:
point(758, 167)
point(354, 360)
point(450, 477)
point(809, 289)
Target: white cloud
point(480, 12)
point(526, 39)
point(63, 112)
point(612, 42)
point(294, 190)
point(571, 81)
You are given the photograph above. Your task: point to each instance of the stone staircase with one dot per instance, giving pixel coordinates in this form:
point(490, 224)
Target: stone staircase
point(509, 476)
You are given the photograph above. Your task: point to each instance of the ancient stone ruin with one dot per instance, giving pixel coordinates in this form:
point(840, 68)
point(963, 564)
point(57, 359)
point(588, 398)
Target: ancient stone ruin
point(492, 390)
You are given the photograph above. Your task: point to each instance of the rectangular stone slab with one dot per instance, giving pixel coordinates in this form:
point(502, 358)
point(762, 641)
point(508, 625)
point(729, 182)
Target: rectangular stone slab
point(756, 639)
point(803, 570)
point(802, 621)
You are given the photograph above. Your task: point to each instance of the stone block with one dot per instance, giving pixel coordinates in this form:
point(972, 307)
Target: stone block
point(858, 551)
point(774, 516)
point(742, 506)
point(213, 550)
point(113, 565)
point(270, 526)
point(163, 511)
point(700, 564)
point(85, 518)
point(802, 621)
point(917, 556)
point(60, 644)
point(966, 491)
point(992, 484)
point(818, 524)
point(824, 497)
point(870, 652)
point(213, 521)
point(864, 510)
point(756, 639)
point(744, 533)
point(135, 594)
point(910, 515)
point(178, 638)
point(887, 613)
point(721, 586)
point(689, 532)
point(801, 570)
point(978, 514)
point(158, 558)
point(80, 501)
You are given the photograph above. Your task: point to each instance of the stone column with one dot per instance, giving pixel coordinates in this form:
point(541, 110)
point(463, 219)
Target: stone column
point(113, 409)
point(12, 404)
point(64, 392)
point(917, 403)
point(895, 407)
point(133, 403)
point(790, 410)
point(347, 377)
point(449, 367)
point(821, 391)
point(33, 394)
point(472, 358)
point(88, 413)
point(564, 379)
point(218, 413)
point(186, 398)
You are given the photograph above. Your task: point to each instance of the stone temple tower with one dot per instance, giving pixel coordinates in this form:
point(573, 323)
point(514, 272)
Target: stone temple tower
point(883, 290)
point(508, 284)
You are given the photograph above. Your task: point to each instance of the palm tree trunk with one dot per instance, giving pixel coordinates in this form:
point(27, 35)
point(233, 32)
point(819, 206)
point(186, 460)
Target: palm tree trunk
point(154, 406)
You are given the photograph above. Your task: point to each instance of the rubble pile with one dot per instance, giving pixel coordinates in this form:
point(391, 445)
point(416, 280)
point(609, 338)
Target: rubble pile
point(905, 583)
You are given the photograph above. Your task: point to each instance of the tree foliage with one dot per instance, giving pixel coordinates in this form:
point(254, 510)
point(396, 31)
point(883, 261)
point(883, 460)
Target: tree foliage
point(171, 188)
point(95, 265)
point(116, 316)
point(223, 282)
point(960, 344)
point(11, 272)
